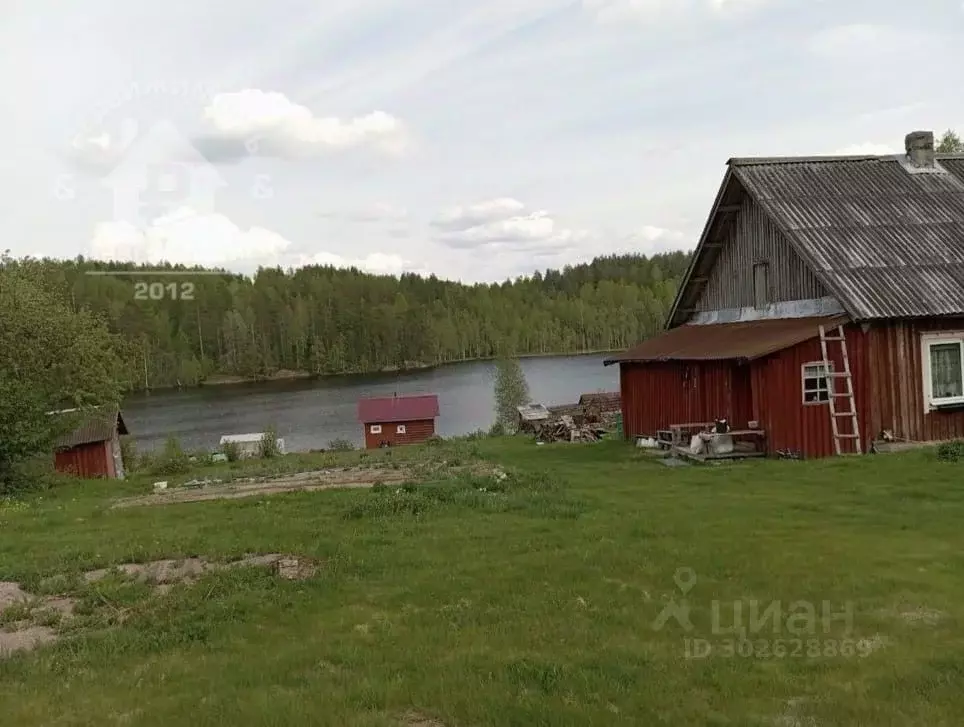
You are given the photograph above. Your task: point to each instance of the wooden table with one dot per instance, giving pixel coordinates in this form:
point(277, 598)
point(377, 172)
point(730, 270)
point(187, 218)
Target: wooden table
point(735, 454)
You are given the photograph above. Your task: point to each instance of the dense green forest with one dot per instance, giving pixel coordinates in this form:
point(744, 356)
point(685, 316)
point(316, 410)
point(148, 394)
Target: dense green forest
point(181, 327)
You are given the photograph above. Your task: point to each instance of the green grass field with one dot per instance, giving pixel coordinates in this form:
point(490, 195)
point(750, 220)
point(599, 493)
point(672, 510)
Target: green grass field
point(530, 601)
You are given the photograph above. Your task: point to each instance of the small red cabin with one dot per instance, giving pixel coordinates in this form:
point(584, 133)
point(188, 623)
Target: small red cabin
point(394, 420)
point(93, 448)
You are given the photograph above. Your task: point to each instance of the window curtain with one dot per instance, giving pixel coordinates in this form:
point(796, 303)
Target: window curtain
point(946, 379)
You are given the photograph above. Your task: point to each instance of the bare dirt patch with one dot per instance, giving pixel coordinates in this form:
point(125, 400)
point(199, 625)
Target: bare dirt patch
point(25, 639)
point(11, 594)
point(925, 616)
point(301, 482)
point(413, 719)
point(327, 479)
point(169, 572)
point(27, 634)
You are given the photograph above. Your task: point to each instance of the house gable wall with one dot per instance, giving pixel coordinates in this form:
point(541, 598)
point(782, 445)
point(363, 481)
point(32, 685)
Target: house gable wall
point(753, 238)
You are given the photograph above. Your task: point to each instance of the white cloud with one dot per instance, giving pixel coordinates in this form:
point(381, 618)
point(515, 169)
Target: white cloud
point(213, 240)
point(272, 123)
point(481, 213)
point(650, 240)
point(377, 263)
point(504, 223)
point(188, 237)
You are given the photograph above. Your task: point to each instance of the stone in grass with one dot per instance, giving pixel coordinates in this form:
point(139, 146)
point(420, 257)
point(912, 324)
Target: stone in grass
point(295, 569)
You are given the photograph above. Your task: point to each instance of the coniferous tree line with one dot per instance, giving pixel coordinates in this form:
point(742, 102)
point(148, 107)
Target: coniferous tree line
point(323, 320)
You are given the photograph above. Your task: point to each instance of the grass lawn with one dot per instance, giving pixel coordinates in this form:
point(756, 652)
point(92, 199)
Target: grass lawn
point(530, 603)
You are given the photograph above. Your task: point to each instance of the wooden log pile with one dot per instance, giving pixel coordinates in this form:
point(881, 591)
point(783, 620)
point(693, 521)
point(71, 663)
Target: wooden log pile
point(565, 429)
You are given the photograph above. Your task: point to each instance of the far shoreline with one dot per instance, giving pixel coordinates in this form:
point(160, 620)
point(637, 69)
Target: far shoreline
point(228, 380)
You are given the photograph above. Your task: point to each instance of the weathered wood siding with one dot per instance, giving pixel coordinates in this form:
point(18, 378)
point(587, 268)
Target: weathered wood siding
point(753, 238)
point(86, 460)
point(658, 394)
point(805, 428)
point(415, 432)
point(897, 382)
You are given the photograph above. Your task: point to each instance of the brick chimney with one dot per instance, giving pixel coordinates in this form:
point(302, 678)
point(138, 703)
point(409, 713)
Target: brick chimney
point(920, 148)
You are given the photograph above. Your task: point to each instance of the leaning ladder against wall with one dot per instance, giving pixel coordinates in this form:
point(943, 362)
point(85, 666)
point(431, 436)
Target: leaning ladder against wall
point(834, 394)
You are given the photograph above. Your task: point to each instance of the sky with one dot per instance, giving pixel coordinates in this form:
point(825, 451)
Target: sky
point(477, 141)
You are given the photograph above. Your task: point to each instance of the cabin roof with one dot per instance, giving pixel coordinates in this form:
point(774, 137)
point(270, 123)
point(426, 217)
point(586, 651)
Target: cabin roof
point(533, 412)
point(601, 398)
point(884, 237)
point(398, 408)
point(98, 426)
point(746, 340)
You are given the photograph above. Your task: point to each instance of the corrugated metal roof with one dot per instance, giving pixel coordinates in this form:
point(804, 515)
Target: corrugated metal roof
point(887, 241)
point(97, 427)
point(397, 408)
point(747, 340)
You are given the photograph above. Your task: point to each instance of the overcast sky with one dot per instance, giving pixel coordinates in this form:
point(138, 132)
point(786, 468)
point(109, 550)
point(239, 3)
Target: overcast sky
point(476, 139)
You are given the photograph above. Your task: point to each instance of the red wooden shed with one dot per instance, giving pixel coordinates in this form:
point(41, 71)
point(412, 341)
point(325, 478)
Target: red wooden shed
point(93, 448)
point(794, 248)
point(394, 420)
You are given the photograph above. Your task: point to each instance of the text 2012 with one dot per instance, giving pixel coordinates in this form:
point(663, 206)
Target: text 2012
point(161, 291)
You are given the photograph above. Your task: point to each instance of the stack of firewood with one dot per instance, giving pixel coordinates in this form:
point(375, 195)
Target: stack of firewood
point(565, 429)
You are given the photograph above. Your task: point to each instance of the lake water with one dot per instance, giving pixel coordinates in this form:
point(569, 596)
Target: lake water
point(308, 414)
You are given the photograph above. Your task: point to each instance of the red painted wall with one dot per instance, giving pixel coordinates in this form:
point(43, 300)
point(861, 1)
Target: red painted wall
point(897, 401)
point(415, 432)
point(87, 460)
point(769, 390)
point(806, 428)
point(655, 395)
point(887, 368)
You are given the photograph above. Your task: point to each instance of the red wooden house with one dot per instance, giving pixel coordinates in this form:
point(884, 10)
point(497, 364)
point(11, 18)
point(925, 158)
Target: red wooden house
point(874, 244)
point(93, 448)
point(394, 420)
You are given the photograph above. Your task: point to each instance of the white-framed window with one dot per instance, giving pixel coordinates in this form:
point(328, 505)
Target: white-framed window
point(816, 383)
point(400, 429)
point(943, 363)
point(376, 429)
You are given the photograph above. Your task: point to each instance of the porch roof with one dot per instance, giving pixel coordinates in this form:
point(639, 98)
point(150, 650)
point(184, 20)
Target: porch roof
point(746, 340)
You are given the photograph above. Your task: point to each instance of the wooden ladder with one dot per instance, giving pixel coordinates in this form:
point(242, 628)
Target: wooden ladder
point(833, 394)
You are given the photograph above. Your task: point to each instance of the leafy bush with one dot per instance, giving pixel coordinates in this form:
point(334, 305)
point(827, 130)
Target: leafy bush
point(129, 454)
point(951, 451)
point(231, 450)
point(340, 445)
point(269, 443)
point(497, 430)
point(173, 460)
